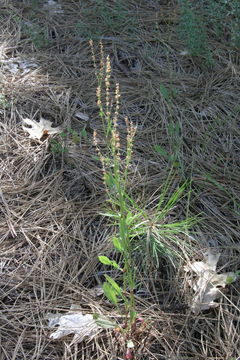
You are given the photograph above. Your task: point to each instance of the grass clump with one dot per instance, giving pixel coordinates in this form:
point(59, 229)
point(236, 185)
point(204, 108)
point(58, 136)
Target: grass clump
point(38, 34)
point(109, 19)
point(200, 19)
point(223, 17)
point(33, 29)
point(192, 29)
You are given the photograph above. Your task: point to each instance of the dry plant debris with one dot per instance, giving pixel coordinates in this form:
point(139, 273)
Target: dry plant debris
point(81, 115)
point(73, 323)
point(50, 228)
point(208, 285)
point(40, 129)
point(79, 324)
point(19, 66)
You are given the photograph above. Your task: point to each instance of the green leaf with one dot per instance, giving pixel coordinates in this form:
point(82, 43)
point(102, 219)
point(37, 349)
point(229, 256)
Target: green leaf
point(133, 315)
point(174, 92)
point(130, 218)
point(116, 216)
point(174, 129)
point(114, 285)
point(117, 244)
point(83, 133)
point(104, 322)
point(230, 279)
point(110, 293)
point(95, 157)
point(109, 179)
point(115, 265)
point(63, 134)
point(106, 261)
point(232, 276)
point(164, 91)
point(159, 149)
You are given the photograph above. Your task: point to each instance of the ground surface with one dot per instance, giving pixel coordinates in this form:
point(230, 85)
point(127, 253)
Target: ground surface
point(51, 227)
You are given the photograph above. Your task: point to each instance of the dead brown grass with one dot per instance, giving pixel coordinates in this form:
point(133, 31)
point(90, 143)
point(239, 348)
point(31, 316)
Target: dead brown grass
point(51, 230)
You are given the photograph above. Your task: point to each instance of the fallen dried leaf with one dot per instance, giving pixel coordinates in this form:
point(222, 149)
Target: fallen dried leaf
point(81, 116)
point(208, 285)
point(184, 52)
point(53, 7)
point(73, 323)
point(40, 129)
point(18, 66)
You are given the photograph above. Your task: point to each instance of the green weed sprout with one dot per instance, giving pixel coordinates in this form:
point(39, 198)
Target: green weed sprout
point(115, 175)
point(115, 168)
point(135, 228)
point(57, 145)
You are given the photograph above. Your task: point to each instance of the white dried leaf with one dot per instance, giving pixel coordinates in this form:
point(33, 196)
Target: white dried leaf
point(184, 52)
point(130, 344)
point(210, 264)
point(208, 285)
point(208, 111)
point(28, 23)
point(16, 65)
point(38, 129)
point(26, 66)
point(53, 7)
point(13, 68)
point(81, 116)
point(73, 323)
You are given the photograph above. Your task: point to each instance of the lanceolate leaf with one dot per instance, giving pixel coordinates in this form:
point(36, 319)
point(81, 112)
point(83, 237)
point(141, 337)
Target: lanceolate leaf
point(165, 92)
point(110, 293)
point(117, 244)
point(110, 181)
point(114, 285)
point(104, 322)
point(106, 261)
point(160, 150)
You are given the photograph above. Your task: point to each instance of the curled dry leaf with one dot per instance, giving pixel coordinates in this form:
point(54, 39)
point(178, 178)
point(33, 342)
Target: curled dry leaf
point(73, 323)
point(81, 116)
point(40, 129)
point(208, 285)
